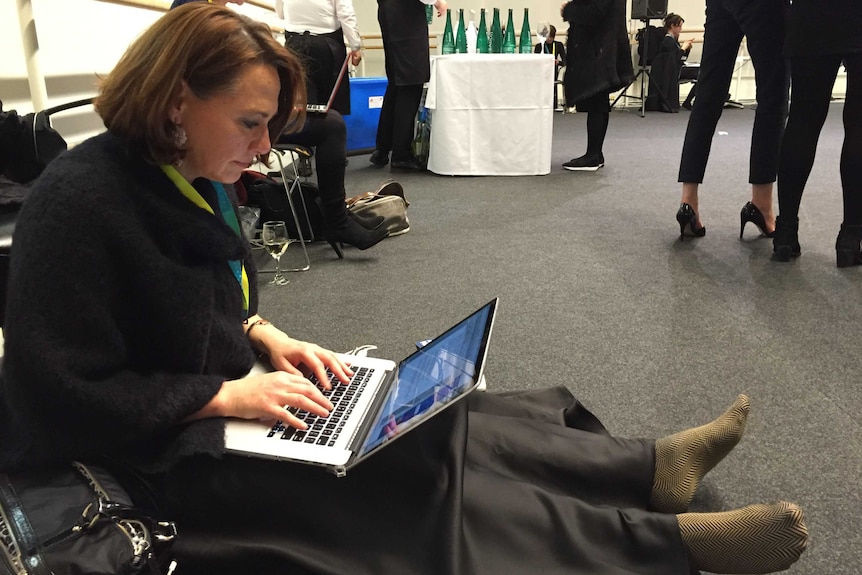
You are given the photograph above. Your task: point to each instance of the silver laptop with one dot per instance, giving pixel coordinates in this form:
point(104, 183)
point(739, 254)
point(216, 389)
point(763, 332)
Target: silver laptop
point(382, 402)
point(324, 108)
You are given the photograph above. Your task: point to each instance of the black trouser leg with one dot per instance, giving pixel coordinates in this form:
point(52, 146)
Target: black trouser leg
point(404, 120)
point(762, 22)
point(328, 134)
point(851, 153)
point(721, 39)
point(597, 128)
point(812, 78)
point(387, 119)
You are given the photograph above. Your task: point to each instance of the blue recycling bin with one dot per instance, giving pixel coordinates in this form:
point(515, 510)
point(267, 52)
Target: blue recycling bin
point(366, 99)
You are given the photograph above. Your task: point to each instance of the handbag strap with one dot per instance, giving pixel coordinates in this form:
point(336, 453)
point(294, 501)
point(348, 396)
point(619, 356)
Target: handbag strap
point(21, 529)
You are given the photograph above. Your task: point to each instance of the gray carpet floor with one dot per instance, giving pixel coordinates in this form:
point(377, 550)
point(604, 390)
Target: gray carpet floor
point(598, 294)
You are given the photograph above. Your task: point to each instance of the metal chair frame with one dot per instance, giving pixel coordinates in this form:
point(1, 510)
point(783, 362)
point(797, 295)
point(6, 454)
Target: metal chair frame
point(288, 189)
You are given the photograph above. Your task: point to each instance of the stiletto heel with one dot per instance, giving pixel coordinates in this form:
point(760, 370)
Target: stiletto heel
point(337, 249)
point(751, 213)
point(686, 217)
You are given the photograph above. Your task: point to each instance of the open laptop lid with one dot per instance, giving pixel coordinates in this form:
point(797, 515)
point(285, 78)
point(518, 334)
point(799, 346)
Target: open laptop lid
point(317, 108)
point(440, 373)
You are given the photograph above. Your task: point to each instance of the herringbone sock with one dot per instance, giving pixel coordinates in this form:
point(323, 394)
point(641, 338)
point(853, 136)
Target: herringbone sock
point(760, 538)
point(682, 459)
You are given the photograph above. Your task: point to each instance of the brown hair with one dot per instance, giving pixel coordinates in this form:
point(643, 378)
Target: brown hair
point(672, 20)
point(206, 46)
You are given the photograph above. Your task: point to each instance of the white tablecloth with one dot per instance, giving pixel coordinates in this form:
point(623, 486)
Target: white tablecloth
point(492, 114)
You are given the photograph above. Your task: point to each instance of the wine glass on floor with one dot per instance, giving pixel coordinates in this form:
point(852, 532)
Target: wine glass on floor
point(275, 240)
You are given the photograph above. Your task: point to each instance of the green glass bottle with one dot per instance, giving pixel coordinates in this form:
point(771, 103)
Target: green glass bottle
point(448, 36)
point(482, 45)
point(496, 33)
point(525, 45)
point(509, 38)
point(461, 38)
point(429, 13)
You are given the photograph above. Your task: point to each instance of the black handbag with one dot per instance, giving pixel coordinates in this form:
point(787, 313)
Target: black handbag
point(77, 520)
point(268, 194)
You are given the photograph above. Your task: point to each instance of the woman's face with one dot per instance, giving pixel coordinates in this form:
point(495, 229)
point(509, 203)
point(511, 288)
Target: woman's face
point(675, 29)
point(226, 131)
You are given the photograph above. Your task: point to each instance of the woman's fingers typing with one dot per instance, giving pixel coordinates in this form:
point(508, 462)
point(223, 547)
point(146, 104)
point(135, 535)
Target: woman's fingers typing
point(265, 396)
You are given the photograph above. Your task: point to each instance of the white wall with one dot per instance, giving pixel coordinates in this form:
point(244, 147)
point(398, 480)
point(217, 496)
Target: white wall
point(80, 39)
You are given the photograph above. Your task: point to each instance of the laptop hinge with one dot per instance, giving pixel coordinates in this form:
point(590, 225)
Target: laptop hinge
point(377, 400)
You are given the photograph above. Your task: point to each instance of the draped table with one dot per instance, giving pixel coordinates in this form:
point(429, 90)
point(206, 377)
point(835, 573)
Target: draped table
point(491, 114)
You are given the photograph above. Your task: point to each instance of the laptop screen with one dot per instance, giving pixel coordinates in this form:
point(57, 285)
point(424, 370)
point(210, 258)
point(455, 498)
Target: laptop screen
point(432, 377)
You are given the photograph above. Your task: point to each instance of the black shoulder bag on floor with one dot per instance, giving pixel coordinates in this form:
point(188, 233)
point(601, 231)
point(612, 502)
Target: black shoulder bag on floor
point(77, 520)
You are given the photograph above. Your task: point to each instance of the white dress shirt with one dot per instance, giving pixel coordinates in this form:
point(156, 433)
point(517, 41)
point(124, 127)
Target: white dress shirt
point(320, 17)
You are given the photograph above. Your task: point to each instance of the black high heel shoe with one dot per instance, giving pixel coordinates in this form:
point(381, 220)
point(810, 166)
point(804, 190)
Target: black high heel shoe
point(751, 213)
point(687, 218)
point(348, 231)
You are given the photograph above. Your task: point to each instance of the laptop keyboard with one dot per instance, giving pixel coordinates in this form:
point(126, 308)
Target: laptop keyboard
point(325, 430)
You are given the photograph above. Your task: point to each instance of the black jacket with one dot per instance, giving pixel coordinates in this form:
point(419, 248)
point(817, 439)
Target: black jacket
point(599, 59)
point(123, 315)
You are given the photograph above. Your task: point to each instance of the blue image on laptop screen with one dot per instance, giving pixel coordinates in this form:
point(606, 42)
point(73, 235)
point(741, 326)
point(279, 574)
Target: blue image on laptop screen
point(431, 377)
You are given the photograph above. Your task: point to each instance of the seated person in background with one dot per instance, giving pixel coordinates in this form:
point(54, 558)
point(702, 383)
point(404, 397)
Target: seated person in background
point(667, 63)
point(166, 327)
point(328, 134)
point(558, 50)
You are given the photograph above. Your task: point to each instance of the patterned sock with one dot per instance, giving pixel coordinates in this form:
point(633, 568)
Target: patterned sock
point(760, 538)
point(682, 459)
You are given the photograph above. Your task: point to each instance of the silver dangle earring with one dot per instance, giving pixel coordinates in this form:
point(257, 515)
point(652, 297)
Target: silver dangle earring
point(180, 139)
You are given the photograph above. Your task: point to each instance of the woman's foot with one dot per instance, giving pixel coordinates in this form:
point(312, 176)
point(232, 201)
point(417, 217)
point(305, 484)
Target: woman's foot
point(348, 231)
point(684, 458)
point(586, 163)
point(689, 225)
point(785, 241)
point(379, 158)
point(368, 222)
point(847, 246)
point(762, 538)
point(751, 213)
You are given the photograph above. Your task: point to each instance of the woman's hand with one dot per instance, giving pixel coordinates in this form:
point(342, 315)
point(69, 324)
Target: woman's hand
point(290, 355)
point(441, 6)
point(356, 57)
point(266, 396)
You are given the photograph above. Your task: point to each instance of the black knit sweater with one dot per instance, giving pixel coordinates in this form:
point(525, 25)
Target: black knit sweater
point(123, 316)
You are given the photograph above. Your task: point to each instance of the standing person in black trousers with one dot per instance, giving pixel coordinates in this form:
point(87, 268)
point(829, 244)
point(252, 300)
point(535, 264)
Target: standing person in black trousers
point(317, 30)
point(814, 61)
point(727, 21)
point(404, 27)
point(598, 62)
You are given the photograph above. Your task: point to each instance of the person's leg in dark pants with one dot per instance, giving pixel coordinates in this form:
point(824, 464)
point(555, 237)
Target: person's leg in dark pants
point(813, 78)
point(598, 114)
point(328, 133)
point(847, 246)
point(851, 153)
point(383, 143)
point(721, 40)
point(763, 25)
point(403, 126)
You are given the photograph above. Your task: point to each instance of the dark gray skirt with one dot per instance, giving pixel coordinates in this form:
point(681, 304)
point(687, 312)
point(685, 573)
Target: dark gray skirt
point(508, 483)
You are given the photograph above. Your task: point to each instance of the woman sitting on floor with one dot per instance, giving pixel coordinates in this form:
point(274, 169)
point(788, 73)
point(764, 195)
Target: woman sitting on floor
point(140, 353)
